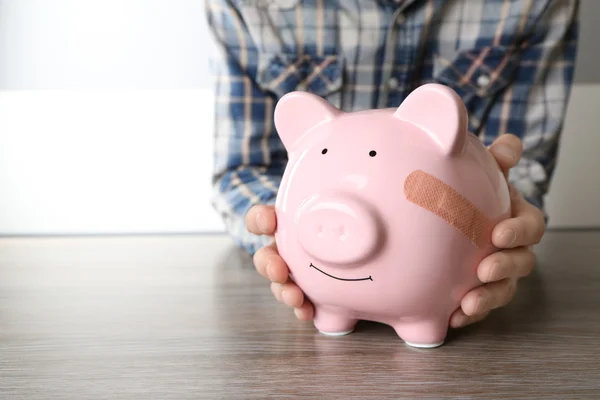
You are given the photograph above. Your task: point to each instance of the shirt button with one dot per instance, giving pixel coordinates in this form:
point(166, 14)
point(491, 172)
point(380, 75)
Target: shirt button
point(400, 19)
point(483, 81)
point(393, 83)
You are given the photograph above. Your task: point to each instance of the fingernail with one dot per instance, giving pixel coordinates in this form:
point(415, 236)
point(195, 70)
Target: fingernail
point(507, 237)
point(491, 270)
point(505, 151)
point(275, 289)
point(268, 271)
point(297, 313)
point(261, 223)
point(479, 305)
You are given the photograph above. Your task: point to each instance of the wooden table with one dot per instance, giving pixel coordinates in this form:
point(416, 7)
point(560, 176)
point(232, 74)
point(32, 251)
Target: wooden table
point(187, 317)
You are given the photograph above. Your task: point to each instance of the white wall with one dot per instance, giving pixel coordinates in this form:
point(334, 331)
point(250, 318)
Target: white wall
point(105, 117)
point(104, 161)
point(574, 198)
point(109, 130)
point(81, 44)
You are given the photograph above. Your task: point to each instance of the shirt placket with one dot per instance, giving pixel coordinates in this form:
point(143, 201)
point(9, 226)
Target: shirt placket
point(393, 83)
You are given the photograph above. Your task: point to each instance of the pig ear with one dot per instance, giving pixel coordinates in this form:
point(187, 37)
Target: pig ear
point(297, 112)
point(440, 112)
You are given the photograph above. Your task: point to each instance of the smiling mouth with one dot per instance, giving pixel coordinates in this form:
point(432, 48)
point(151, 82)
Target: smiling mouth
point(341, 279)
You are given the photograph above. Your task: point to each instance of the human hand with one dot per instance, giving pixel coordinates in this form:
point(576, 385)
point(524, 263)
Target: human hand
point(501, 271)
point(262, 220)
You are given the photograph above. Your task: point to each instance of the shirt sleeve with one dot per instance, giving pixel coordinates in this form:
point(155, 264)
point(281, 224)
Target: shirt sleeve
point(534, 105)
point(249, 158)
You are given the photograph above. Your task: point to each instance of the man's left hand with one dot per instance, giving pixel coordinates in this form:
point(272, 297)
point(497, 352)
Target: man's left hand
point(501, 271)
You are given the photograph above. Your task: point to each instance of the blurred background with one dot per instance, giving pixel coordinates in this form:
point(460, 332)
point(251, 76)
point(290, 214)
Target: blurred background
point(109, 130)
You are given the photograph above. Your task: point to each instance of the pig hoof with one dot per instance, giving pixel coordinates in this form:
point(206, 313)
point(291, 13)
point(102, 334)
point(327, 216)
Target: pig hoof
point(424, 345)
point(337, 333)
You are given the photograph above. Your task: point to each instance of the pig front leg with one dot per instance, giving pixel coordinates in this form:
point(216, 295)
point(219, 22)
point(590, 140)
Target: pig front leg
point(333, 322)
point(425, 333)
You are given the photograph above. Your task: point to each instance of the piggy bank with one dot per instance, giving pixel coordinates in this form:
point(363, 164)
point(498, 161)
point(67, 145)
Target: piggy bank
point(384, 214)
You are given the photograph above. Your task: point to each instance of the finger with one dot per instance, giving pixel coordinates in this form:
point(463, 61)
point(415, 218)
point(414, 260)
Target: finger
point(305, 312)
point(488, 297)
point(276, 289)
point(459, 319)
point(261, 220)
point(288, 293)
point(507, 150)
point(512, 263)
point(270, 265)
point(526, 228)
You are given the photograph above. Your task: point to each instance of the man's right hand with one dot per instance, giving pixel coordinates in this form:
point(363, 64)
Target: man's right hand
point(261, 220)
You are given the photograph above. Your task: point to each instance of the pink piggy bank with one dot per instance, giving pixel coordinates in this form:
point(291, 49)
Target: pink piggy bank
point(384, 215)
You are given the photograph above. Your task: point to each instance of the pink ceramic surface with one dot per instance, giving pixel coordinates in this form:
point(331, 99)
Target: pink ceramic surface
point(354, 244)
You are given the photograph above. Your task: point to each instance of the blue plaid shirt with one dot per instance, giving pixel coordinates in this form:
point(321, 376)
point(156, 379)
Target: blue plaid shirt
point(511, 61)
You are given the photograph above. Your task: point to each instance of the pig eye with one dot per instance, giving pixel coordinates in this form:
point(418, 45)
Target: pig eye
point(372, 153)
point(324, 151)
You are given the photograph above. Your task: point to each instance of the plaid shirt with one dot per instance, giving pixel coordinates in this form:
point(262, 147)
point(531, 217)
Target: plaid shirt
point(511, 61)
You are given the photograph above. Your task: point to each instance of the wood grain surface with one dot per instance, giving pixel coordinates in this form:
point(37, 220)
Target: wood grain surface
point(188, 318)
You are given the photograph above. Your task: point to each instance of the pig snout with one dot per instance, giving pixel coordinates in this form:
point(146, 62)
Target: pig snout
point(338, 229)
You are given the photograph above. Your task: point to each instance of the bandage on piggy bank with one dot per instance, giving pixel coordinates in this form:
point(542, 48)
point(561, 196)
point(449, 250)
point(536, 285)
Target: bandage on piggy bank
point(384, 215)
